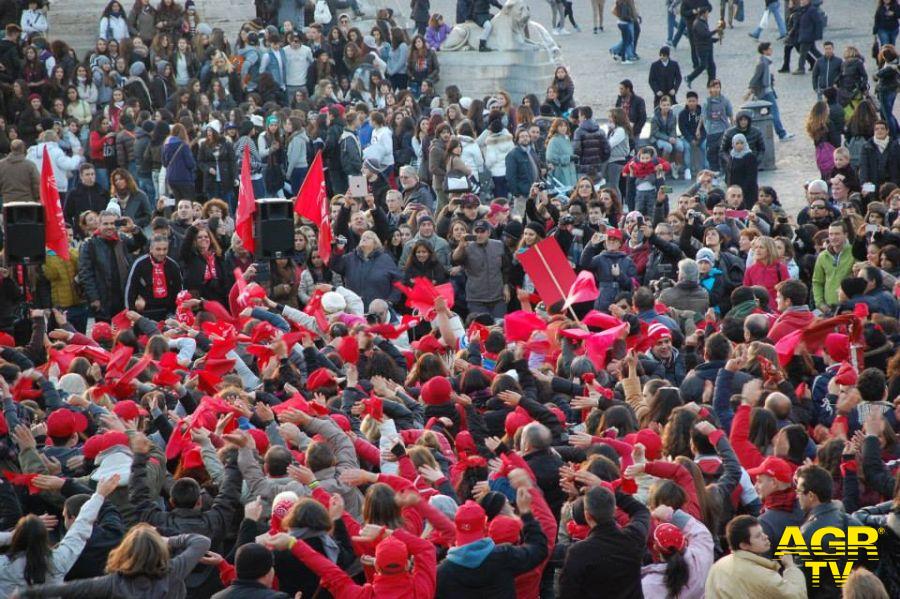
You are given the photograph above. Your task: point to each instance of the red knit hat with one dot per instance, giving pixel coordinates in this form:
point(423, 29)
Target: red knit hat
point(101, 331)
point(64, 423)
point(651, 441)
point(837, 345)
point(505, 529)
point(260, 439)
point(668, 539)
point(321, 377)
point(516, 420)
point(436, 391)
point(846, 375)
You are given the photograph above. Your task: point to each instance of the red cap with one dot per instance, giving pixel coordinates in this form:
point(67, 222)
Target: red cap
point(505, 529)
point(668, 538)
point(614, 234)
point(92, 447)
point(436, 391)
point(113, 438)
point(428, 344)
point(837, 346)
point(516, 420)
point(342, 421)
point(348, 349)
point(391, 556)
point(260, 439)
point(471, 522)
point(101, 331)
point(657, 332)
point(7, 340)
point(777, 468)
point(321, 377)
point(129, 410)
point(65, 423)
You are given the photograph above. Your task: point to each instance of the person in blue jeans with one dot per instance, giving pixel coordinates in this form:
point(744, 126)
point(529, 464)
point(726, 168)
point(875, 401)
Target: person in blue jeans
point(626, 13)
point(762, 85)
point(887, 82)
point(887, 22)
point(772, 8)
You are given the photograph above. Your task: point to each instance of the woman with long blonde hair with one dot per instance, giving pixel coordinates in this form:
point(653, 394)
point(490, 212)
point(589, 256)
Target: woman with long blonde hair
point(767, 270)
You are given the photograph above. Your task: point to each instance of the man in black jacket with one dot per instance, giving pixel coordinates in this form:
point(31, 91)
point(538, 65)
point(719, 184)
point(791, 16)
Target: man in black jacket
point(154, 282)
point(188, 514)
point(690, 9)
point(665, 77)
point(608, 562)
point(476, 567)
point(10, 54)
point(702, 40)
point(108, 531)
point(86, 195)
point(633, 105)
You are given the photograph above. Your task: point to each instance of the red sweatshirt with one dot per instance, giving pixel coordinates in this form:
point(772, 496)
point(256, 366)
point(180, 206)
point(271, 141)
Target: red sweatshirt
point(748, 454)
point(528, 585)
point(683, 478)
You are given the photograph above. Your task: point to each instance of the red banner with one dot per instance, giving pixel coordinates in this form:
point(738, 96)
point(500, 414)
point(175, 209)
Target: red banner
point(56, 237)
point(549, 270)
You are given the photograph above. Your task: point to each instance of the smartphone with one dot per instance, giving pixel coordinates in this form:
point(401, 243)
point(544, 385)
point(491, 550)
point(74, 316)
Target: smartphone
point(871, 229)
point(357, 186)
point(121, 222)
point(470, 236)
point(169, 202)
point(868, 187)
point(667, 189)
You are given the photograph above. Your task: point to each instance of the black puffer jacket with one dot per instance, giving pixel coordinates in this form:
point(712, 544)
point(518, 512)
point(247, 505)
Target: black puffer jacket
point(754, 136)
point(590, 145)
point(99, 273)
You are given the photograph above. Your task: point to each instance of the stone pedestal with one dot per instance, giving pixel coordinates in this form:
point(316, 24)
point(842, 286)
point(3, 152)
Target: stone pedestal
point(478, 74)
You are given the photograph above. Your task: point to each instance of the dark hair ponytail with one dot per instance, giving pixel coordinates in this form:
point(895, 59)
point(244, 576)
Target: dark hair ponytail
point(677, 573)
point(30, 538)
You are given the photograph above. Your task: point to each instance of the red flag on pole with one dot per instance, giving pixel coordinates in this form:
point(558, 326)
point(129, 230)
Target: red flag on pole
point(56, 237)
point(584, 289)
point(312, 203)
point(549, 270)
point(246, 205)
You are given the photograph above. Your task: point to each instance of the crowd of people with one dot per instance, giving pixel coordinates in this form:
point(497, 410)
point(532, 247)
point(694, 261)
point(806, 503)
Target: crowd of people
point(400, 413)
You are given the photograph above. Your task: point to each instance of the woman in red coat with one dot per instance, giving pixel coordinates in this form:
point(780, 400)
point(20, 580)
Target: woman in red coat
point(767, 270)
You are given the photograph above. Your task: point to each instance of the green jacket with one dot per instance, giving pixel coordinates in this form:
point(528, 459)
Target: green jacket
point(828, 274)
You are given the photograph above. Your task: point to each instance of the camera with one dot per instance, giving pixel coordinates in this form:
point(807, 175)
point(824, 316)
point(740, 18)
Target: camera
point(640, 221)
point(121, 222)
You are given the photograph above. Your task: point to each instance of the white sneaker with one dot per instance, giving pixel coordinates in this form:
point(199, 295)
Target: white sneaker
point(687, 174)
point(556, 31)
point(564, 31)
point(626, 61)
point(788, 136)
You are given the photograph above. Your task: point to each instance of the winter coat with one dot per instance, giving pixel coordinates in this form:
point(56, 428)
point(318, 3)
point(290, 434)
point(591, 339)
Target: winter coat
point(485, 267)
point(482, 570)
point(220, 158)
point(560, 155)
point(698, 555)
point(775, 521)
point(60, 559)
point(249, 589)
point(20, 180)
point(520, 171)
point(608, 562)
point(471, 155)
point(714, 283)
point(140, 283)
point(826, 72)
point(888, 543)
point(811, 24)
point(825, 515)
point(662, 128)
point(853, 78)
point(743, 173)
point(438, 244)
point(664, 78)
point(591, 146)
point(754, 136)
point(113, 28)
point(686, 295)
point(790, 321)
point(663, 260)
point(99, 270)
point(745, 574)
point(880, 167)
point(187, 550)
point(181, 168)
point(371, 277)
point(79, 199)
point(601, 265)
point(496, 147)
point(61, 275)
point(62, 164)
point(137, 207)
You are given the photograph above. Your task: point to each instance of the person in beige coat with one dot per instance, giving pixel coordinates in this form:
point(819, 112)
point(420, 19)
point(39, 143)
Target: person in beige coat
point(747, 573)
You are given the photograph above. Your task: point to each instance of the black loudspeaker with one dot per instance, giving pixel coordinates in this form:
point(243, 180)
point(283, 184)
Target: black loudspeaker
point(23, 232)
point(274, 228)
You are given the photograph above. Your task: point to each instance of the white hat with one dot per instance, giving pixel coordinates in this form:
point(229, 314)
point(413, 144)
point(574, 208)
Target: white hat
point(72, 383)
point(333, 301)
point(465, 102)
point(215, 125)
point(257, 120)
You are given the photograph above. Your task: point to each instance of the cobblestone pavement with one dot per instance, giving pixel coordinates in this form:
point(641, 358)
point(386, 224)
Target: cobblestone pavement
point(597, 75)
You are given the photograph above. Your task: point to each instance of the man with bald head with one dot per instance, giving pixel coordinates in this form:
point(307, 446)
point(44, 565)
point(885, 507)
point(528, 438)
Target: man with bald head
point(19, 177)
point(756, 328)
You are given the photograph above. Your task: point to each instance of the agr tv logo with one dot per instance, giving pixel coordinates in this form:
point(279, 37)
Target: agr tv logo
point(831, 549)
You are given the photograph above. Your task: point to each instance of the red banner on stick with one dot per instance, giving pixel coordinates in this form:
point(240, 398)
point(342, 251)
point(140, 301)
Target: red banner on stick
point(549, 270)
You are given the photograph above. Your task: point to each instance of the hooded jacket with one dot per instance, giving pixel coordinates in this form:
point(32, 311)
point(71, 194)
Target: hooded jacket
point(482, 570)
point(601, 265)
point(698, 555)
point(754, 136)
point(62, 164)
point(590, 145)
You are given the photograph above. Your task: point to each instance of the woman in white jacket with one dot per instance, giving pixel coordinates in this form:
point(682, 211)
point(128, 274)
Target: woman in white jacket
point(34, 20)
point(683, 555)
point(113, 23)
point(471, 151)
point(497, 144)
point(30, 560)
point(64, 166)
point(381, 146)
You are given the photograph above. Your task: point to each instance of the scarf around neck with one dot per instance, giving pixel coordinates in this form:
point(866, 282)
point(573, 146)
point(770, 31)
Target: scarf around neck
point(160, 285)
point(783, 501)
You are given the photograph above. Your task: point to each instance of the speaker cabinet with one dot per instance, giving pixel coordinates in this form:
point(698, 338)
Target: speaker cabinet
point(274, 228)
point(23, 232)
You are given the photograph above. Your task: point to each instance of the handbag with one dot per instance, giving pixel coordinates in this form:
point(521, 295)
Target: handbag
point(825, 157)
point(322, 13)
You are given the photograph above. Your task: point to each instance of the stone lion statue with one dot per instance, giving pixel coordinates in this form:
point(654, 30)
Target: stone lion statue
point(512, 29)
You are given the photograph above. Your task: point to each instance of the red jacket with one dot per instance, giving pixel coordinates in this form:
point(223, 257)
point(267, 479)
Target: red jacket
point(767, 276)
point(420, 584)
point(681, 476)
point(789, 322)
point(528, 585)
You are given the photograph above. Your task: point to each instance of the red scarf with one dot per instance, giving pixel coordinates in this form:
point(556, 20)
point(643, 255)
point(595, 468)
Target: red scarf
point(210, 272)
point(160, 286)
point(781, 500)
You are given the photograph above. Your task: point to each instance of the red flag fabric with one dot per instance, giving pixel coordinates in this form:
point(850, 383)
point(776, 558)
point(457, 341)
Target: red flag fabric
point(423, 293)
point(598, 344)
point(549, 270)
point(312, 203)
point(600, 320)
point(55, 234)
point(243, 225)
point(519, 325)
point(584, 289)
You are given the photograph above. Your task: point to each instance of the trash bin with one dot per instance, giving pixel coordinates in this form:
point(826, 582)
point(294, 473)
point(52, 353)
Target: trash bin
point(762, 120)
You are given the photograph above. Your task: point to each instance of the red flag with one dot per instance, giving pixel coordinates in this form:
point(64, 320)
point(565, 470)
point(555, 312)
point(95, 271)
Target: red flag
point(246, 205)
point(598, 344)
point(584, 289)
point(55, 227)
point(519, 325)
point(549, 269)
point(312, 203)
point(422, 295)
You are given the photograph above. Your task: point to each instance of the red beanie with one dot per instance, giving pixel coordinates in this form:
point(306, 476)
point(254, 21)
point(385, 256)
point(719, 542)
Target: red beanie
point(505, 529)
point(436, 391)
point(516, 420)
point(260, 439)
